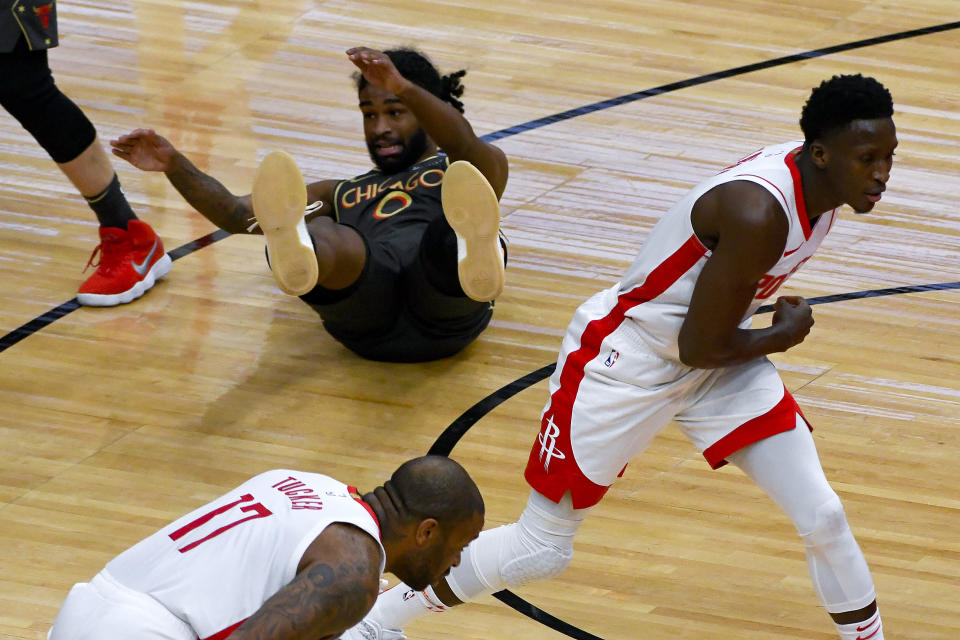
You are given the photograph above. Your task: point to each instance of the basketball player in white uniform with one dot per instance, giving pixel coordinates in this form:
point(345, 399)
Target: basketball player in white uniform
point(287, 554)
point(672, 341)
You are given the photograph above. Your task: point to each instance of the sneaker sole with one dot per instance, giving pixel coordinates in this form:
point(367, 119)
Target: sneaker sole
point(471, 207)
point(159, 269)
point(279, 199)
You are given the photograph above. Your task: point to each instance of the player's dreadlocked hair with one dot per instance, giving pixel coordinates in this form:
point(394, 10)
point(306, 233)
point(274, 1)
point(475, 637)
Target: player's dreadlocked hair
point(840, 100)
point(417, 68)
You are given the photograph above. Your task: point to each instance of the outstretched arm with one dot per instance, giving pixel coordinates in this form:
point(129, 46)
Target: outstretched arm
point(336, 585)
point(746, 230)
point(146, 150)
point(443, 123)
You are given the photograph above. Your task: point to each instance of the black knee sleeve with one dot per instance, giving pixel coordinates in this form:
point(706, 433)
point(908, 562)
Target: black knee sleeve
point(29, 94)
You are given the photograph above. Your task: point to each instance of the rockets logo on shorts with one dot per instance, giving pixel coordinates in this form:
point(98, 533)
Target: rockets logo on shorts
point(548, 444)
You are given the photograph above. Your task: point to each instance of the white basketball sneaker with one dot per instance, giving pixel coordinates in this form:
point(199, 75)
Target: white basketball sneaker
point(371, 630)
point(471, 207)
point(279, 200)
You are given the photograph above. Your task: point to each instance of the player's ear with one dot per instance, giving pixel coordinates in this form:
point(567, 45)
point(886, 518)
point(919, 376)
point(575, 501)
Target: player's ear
point(819, 154)
point(427, 531)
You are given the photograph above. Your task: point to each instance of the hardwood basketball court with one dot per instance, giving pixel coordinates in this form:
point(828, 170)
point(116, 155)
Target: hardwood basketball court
point(115, 421)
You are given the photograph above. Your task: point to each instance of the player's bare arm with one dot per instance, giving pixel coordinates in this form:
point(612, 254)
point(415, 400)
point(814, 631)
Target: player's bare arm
point(336, 585)
point(146, 150)
point(746, 230)
point(322, 192)
point(444, 124)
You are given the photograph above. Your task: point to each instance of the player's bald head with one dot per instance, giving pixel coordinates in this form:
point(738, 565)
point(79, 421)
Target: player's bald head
point(437, 487)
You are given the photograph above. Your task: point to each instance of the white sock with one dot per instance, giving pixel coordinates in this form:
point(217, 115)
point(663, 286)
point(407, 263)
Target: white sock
point(400, 605)
point(869, 629)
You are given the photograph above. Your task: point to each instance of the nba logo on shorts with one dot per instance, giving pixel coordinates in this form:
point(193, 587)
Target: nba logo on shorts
point(614, 354)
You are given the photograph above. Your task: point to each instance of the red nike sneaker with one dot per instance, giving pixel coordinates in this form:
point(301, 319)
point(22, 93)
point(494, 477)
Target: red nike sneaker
point(131, 261)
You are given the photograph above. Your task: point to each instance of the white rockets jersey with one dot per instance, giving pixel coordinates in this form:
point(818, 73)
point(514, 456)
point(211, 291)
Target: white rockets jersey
point(655, 292)
point(214, 567)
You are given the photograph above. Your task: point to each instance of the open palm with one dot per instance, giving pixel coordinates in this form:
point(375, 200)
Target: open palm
point(144, 149)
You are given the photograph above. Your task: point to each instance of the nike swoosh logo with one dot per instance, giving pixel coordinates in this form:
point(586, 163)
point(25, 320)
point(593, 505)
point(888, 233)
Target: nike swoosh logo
point(786, 253)
point(142, 267)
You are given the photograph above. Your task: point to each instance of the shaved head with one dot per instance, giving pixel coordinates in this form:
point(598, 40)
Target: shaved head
point(436, 487)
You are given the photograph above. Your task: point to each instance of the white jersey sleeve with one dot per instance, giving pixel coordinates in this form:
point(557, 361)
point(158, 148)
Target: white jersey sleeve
point(217, 565)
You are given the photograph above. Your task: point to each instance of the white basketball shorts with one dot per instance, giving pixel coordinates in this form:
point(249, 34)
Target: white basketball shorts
point(611, 394)
point(103, 608)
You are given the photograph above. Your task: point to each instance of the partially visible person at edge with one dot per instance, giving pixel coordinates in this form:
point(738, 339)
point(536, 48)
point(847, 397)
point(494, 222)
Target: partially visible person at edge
point(403, 262)
point(287, 555)
point(131, 255)
point(673, 341)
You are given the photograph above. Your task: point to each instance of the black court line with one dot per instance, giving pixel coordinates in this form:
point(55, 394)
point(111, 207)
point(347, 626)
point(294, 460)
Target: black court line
point(72, 305)
point(452, 434)
point(873, 293)
point(517, 603)
point(38, 323)
point(711, 77)
point(459, 427)
point(55, 314)
point(199, 243)
point(447, 440)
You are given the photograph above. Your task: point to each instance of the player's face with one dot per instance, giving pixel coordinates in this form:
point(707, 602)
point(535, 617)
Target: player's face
point(452, 548)
point(860, 157)
point(394, 137)
point(436, 560)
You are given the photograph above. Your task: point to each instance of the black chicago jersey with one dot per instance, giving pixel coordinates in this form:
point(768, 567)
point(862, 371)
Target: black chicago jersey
point(390, 208)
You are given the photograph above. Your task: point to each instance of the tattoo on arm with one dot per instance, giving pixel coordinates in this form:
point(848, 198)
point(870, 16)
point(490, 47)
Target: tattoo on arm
point(208, 196)
point(322, 601)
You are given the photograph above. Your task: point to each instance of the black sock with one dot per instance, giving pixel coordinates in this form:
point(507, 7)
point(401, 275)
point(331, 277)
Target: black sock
point(111, 206)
